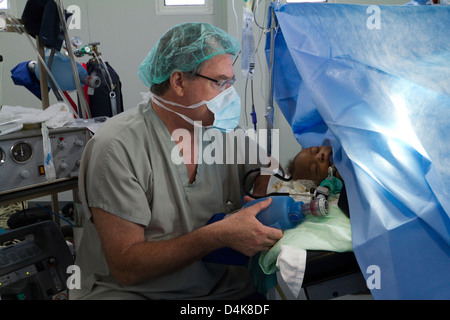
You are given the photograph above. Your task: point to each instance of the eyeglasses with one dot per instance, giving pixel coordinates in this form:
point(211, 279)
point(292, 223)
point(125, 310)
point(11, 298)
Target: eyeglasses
point(221, 84)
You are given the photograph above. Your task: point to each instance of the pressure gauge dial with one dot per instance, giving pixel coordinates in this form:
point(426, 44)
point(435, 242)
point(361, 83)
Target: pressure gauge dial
point(21, 152)
point(2, 156)
point(76, 42)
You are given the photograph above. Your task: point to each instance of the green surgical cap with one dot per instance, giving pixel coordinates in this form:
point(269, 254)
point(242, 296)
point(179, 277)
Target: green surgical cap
point(183, 48)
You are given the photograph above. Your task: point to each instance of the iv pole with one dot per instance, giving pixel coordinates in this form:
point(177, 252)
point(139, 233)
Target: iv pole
point(269, 115)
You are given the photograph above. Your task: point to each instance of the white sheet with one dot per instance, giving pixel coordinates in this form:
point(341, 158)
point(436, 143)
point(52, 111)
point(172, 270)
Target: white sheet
point(292, 264)
point(55, 116)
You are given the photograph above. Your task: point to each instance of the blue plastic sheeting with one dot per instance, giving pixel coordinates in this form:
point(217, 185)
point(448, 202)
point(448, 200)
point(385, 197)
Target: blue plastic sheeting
point(374, 82)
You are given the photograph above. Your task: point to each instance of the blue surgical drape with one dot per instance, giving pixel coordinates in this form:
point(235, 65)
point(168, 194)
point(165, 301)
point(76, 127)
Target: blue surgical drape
point(374, 83)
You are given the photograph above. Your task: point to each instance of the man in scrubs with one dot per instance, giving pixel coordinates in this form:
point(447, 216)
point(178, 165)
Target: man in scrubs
point(145, 232)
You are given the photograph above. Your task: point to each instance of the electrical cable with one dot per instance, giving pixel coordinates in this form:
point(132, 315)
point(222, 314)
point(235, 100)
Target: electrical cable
point(56, 215)
point(237, 20)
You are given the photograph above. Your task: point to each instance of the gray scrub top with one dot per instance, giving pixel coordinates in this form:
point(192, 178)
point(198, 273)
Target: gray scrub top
point(128, 171)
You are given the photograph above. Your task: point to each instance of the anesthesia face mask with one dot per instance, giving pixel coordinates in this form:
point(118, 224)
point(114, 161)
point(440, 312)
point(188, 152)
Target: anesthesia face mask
point(226, 108)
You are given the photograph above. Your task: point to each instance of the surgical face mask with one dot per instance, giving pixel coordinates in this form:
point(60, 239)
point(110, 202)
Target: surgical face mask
point(226, 108)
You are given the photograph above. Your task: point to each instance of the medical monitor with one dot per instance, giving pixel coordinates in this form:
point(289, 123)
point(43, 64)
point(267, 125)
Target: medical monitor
point(33, 263)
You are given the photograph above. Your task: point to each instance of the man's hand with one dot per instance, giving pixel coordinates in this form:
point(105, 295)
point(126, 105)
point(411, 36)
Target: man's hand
point(244, 233)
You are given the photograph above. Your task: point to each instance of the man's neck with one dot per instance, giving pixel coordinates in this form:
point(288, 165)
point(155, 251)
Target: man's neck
point(188, 149)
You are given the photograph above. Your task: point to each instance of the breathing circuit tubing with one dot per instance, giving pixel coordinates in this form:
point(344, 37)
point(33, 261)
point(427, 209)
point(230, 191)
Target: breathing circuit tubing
point(247, 192)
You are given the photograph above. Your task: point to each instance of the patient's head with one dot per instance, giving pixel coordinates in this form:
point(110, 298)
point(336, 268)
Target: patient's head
point(311, 164)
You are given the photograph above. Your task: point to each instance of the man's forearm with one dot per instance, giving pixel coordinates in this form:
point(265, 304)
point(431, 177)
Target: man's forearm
point(147, 260)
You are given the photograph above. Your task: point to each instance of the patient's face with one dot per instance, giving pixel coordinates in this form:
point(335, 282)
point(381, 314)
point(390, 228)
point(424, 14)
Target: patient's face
point(312, 164)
